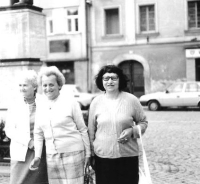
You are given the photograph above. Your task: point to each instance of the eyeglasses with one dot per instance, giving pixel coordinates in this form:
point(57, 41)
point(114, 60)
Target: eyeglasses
point(113, 78)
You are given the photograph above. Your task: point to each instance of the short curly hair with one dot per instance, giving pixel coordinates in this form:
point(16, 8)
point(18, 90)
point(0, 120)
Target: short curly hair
point(30, 76)
point(123, 80)
point(51, 70)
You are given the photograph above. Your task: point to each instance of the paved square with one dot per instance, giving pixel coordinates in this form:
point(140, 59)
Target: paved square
point(172, 143)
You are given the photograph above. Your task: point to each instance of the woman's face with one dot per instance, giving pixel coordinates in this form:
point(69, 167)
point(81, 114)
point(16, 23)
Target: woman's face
point(50, 87)
point(110, 82)
point(26, 88)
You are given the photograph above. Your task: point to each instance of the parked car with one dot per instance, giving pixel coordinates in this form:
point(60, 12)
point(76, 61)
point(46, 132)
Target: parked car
point(83, 98)
point(179, 94)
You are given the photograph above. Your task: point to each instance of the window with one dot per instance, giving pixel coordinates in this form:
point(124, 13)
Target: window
point(147, 18)
point(194, 14)
point(72, 20)
point(175, 88)
point(50, 26)
point(112, 21)
point(56, 46)
point(192, 87)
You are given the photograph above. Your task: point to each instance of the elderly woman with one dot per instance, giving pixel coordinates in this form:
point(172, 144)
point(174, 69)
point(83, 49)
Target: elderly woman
point(112, 131)
point(19, 128)
point(60, 122)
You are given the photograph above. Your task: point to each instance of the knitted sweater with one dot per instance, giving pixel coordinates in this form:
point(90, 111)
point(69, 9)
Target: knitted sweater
point(108, 120)
point(61, 125)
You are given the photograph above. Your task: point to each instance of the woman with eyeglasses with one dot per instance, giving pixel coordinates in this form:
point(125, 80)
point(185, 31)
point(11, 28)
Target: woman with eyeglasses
point(113, 117)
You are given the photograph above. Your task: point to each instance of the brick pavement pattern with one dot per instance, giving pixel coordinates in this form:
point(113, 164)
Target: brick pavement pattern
point(172, 147)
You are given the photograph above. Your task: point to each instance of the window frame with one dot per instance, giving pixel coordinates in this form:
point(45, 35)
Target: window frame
point(104, 21)
point(73, 19)
point(147, 23)
point(138, 30)
point(50, 19)
point(187, 16)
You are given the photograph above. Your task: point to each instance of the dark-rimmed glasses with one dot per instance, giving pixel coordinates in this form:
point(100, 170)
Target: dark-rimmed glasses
point(113, 78)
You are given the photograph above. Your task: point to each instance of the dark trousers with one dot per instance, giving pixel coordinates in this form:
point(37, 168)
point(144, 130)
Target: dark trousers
point(123, 170)
point(20, 173)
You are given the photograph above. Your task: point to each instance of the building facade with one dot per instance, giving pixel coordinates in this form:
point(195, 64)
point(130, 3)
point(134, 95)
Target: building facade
point(66, 39)
point(154, 42)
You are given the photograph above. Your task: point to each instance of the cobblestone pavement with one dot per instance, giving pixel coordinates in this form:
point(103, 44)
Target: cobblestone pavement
point(172, 144)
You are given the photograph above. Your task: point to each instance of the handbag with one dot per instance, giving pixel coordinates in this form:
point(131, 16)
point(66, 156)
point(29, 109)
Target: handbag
point(144, 177)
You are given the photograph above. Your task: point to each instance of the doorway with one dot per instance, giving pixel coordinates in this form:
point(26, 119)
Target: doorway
point(134, 71)
point(197, 66)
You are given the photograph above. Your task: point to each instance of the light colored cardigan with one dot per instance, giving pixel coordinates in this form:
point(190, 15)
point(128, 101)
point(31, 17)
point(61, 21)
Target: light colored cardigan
point(62, 126)
point(18, 129)
point(107, 121)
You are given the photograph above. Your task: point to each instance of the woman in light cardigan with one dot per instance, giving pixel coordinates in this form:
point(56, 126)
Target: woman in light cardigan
point(112, 131)
point(60, 122)
point(19, 128)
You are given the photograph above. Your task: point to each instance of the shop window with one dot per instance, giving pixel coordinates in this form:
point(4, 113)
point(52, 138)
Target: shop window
point(193, 14)
point(147, 18)
point(59, 46)
point(72, 20)
point(112, 21)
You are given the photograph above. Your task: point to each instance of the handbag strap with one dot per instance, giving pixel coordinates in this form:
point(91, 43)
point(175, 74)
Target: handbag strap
point(146, 166)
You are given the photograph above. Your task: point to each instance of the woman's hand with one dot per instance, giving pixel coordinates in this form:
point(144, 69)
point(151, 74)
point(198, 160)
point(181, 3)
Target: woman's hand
point(31, 144)
point(125, 135)
point(87, 163)
point(35, 163)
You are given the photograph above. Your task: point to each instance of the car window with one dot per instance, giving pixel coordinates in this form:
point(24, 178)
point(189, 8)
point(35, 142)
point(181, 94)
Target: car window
point(175, 88)
point(192, 87)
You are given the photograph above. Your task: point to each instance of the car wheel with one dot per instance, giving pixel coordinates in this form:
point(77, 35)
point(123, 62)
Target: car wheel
point(153, 106)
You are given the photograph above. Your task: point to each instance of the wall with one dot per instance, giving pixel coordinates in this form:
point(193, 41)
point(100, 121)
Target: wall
point(163, 51)
point(57, 10)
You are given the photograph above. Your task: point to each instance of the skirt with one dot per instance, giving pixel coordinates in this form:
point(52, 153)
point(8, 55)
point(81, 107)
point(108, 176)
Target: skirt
point(122, 170)
point(66, 168)
point(20, 173)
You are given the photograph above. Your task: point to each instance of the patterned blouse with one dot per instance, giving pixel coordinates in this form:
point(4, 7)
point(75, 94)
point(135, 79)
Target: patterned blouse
point(32, 108)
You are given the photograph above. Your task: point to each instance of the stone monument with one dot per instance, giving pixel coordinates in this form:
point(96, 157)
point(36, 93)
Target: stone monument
point(14, 2)
point(22, 45)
